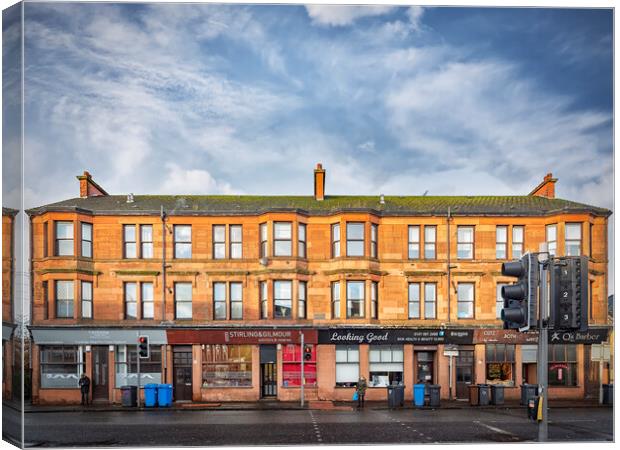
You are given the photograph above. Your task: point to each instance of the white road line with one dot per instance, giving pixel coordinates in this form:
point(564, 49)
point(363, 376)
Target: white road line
point(497, 430)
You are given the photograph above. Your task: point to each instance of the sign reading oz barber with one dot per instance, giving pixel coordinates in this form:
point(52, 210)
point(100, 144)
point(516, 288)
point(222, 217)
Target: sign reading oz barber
point(394, 336)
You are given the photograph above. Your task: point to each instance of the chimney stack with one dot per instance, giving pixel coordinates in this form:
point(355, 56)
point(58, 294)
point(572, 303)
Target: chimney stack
point(319, 183)
point(88, 188)
point(546, 188)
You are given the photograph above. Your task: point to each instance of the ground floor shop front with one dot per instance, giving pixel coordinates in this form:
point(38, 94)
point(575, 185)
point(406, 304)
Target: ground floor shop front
point(251, 364)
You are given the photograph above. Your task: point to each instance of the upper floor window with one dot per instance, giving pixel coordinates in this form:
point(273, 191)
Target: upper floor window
point(87, 240)
point(414, 242)
point(590, 226)
point(355, 239)
point(374, 300)
point(302, 299)
point(235, 298)
point(573, 239)
point(501, 242)
point(183, 300)
point(87, 300)
point(336, 300)
point(414, 300)
point(64, 299)
point(219, 241)
point(301, 240)
point(430, 300)
point(282, 239)
point(282, 299)
point(236, 241)
point(146, 241)
point(145, 300)
point(335, 240)
point(465, 300)
point(45, 237)
point(182, 241)
point(129, 239)
point(263, 300)
point(552, 239)
point(355, 299)
point(263, 240)
point(374, 231)
point(148, 307)
point(465, 242)
point(430, 242)
point(64, 238)
point(131, 300)
point(517, 241)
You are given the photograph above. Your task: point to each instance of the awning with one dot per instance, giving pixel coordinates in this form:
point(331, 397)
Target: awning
point(7, 330)
point(97, 336)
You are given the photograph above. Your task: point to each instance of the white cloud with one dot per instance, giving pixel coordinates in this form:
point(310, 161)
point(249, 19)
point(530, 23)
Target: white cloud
point(342, 15)
point(415, 17)
point(178, 180)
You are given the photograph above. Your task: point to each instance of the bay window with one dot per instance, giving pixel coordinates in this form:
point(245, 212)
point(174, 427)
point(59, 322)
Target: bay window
point(64, 238)
point(573, 239)
point(302, 297)
point(87, 299)
point(282, 239)
point(335, 240)
point(336, 300)
point(301, 240)
point(282, 299)
point(355, 299)
point(64, 299)
point(355, 239)
point(87, 240)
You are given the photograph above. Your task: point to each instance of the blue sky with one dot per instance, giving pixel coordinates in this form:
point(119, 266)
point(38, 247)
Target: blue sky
point(209, 99)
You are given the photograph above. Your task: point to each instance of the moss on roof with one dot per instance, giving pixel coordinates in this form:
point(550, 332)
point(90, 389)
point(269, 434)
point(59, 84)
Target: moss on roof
point(255, 204)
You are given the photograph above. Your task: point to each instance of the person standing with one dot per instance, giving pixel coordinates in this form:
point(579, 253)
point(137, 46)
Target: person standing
point(361, 391)
point(84, 384)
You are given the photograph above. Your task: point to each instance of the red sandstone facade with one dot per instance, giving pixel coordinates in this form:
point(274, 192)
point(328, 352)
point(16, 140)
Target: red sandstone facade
point(8, 320)
point(225, 311)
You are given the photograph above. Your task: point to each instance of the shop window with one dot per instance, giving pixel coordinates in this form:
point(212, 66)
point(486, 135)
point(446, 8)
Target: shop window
point(336, 300)
point(335, 240)
point(499, 300)
point(302, 295)
point(355, 299)
point(465, 243)
point(430, 242)
point(183, 300)
point(374, 231)
point(182, 241)
point(517, 241)
point(291, 366)
point(127, 366)
point(465, 300)
point(226, 366)
point(500, 361)
point(236, 241)
point(414, 242)
point(282, 299)
point(64, 299)
point(501, 242)
point(355, 239)
point(282, 239)
point(263, 240)
point(385, 365)
point(347, 365)
point(61, 366)
point(263, 300)
point(219, 241)
point(87, 240)
point(573, 239)
point(551, 238)
point(146, 241)
point(87, 300)
point(64, 239)
point(129, 241)
point(562, 365)
point(374, 300)
point(301, 240)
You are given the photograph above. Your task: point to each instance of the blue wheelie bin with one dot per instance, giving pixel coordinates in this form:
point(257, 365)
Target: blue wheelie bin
point(164, 395)
point(418, 394)
point(150, 395)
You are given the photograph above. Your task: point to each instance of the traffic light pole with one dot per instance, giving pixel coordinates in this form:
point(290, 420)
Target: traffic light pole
point(302, 353)
point(543, 349)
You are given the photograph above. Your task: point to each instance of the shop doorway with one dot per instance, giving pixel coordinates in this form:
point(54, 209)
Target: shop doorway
point(182, 373)
point(464, 373)
point(425, 366)
point(100, 373)
point(268, 371)
point(591, 371)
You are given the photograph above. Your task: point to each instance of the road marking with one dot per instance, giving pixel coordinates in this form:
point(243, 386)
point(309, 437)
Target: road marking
point(497, 430)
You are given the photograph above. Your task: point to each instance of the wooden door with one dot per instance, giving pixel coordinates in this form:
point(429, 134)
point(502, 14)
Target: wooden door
point(464, 373)
point(100, 372)
point(268, 380)
point(182, 375)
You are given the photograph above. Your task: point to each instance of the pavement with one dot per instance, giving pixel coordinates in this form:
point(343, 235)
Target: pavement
point(281, 405)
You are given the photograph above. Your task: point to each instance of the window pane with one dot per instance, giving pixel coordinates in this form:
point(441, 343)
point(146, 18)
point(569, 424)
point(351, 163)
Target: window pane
point(147, 310)
point(282, 248)
point(87, 290)
point(414, 251)
point(573, 231)
point(414, 292)
point(235, 292)
point(131, 310)
point(147, 233)
point(87, 249)
point(355, 248)
point(130, 250)
point(282, 230)
point(465, 251)
point(517, 234)
point(465, 310)
point(429, 310)
point(235, 233)
point(64, 230)
point(500, 251)
point(336, 232)
point(65, 248)
point(355, 289)
point(147, 250)
point(219, 251)
point(573, 248)
point(465, 291)
point(183, 291)
point(429, 251)
point(87, 232)
point(183, 250)
point(219, 233)
point(64, 290)
point(501, 234)
point(355, 231)
point(183, 233)
point(282, 289)
point(87, 310)
point(236, 310)
point(414, 310)
point(341, 353)
point(220, 310)
point(219, 291)
point(235, 251)
point(130, 292)
point(429, 234)
point(465, 234)
point(184, 310)
point(414, 234)
point(263, 231)
point(302, 232)
point(551, 233)
point(130, 233)
point(429, 292)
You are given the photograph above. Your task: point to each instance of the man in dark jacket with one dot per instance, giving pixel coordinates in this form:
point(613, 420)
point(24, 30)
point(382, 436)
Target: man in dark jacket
point(361, 391)
point(84, 384)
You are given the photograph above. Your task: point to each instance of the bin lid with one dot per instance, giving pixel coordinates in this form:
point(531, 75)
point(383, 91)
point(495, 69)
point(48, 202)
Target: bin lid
point(150, 386)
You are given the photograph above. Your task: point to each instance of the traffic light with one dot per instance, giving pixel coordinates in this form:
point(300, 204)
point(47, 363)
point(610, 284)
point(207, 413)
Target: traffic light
point(143, 347)
point(569, 293)
point(307, 352)
point(521, 298)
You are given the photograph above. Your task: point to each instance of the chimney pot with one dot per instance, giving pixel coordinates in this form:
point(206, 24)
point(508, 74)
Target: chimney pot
point(319, 183)
point(546, 188)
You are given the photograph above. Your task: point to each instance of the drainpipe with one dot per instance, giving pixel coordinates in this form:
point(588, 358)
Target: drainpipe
point(163, 264)
point(448, 223)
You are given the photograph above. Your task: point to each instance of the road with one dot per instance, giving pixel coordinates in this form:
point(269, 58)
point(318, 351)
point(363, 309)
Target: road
point(307, 427)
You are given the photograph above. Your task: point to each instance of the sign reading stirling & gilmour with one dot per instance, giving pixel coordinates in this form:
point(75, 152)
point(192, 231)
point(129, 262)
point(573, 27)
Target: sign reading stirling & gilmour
point(394, 336)
point(241, 336)
point(494, 336)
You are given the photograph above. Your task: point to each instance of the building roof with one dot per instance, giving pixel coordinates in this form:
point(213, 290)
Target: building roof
point(224, 205)
point(9, 211)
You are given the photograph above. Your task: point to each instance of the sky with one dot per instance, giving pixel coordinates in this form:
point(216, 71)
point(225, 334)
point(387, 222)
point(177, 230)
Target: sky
point(246, 99)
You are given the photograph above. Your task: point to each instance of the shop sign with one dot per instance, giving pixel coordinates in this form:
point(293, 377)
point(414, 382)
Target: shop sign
point(96, 336)
point(241, 336)
point(591, 336)
point(353, 336)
